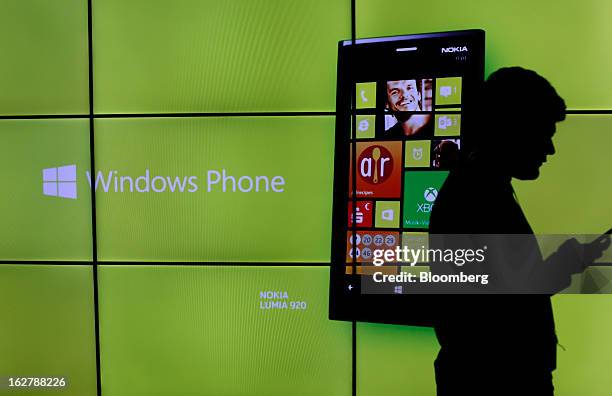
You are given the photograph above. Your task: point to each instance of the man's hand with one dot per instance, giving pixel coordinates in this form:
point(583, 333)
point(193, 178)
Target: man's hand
point(576, 256)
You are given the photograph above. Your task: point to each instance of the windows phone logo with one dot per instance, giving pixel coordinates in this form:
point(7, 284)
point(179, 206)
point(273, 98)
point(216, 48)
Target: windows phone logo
point(60, 182)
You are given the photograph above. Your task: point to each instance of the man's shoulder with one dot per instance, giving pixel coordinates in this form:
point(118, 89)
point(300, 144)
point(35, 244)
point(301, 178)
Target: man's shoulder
point(470, 202)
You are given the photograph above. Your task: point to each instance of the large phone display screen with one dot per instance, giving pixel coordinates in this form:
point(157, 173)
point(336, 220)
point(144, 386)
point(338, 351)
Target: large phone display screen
point(403, 106)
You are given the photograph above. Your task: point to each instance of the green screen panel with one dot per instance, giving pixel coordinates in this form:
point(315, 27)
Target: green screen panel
point(583, 326)
point(217, 56)
point(44, 68)
point(573, 195)
point(562, 40)
point(574, 192)
point(45, 215)
point(207, 330)
point(48, 326)
point(277, 207)
point(398, 359)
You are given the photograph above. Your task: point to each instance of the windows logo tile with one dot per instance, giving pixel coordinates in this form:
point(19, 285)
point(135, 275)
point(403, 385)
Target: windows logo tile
point(60, 182)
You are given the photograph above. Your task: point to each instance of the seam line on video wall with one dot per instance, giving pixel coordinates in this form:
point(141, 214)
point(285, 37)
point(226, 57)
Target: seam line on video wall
point(170, 264)
point(354, 358)
point(223, 115)
point(353, 126)
point(173, 115)
point(94, 240)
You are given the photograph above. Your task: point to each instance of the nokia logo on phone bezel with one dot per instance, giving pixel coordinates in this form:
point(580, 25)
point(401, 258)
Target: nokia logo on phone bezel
point(454, 49)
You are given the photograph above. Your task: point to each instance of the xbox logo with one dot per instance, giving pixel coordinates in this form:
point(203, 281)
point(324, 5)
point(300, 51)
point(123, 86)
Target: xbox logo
point(430, 194)
point(364, 125)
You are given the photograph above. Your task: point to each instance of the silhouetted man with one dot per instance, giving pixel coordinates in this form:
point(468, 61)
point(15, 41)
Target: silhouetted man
point(498, 344)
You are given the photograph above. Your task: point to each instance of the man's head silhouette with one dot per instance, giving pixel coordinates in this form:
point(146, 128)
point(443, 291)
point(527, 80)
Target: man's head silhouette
point(518, 110)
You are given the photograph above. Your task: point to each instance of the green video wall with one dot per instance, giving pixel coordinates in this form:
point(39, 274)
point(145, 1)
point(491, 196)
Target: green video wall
point(221, 330)
point(216, 56)
point(36, 226)
point(214, 189)
point(44, 68)
point(213, 137)
point(47, 327)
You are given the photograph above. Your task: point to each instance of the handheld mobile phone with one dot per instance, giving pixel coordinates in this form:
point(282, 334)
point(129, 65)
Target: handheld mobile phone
point(603, 238)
